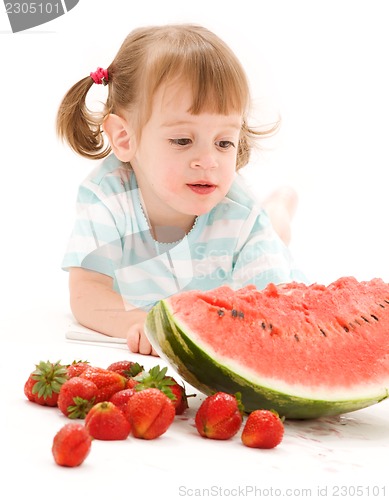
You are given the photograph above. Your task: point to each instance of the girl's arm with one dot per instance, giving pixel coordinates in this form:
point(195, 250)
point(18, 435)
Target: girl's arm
point(97, 306)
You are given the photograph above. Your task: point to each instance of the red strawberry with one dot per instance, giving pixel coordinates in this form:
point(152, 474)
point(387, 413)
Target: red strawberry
point(107, 382)
point(76, 397)
point(120, 398)
point(181, 398)
point(128, 369)
point(158, 379)
point(31, 396)
point(263, 429)
point(71, 445)
point(107, 422)
point(150, 413)
point(76, 368)
point(219, 416)
point(44, 383)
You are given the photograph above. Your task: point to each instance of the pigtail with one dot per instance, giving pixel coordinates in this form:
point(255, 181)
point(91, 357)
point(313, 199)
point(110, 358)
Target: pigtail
point(80, 127)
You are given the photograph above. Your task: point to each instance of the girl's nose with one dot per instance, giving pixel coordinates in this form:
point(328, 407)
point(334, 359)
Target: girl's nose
point(204, 161)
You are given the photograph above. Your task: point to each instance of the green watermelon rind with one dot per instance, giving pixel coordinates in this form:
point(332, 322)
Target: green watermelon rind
point(208, 375)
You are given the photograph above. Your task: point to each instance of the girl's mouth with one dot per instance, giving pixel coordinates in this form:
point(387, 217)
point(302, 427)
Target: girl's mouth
point(202, 188)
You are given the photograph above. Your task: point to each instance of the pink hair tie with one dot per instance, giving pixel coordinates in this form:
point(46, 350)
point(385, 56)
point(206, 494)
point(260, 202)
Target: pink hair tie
point(100, 76)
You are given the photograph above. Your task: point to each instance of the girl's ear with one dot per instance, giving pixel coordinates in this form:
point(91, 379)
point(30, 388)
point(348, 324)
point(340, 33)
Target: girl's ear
point(121, 137)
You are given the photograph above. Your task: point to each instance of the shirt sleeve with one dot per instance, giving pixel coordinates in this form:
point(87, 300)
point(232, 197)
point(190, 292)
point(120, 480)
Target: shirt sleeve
point(95, 242)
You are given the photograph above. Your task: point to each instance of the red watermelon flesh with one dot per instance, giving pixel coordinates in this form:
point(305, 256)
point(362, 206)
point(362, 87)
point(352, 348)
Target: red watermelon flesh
point(330, 337)
point(311, 342)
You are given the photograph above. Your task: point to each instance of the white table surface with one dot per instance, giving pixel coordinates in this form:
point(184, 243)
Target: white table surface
point(340, 457)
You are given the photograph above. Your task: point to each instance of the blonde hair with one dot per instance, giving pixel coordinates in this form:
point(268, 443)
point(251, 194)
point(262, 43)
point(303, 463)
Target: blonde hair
point(148, 58)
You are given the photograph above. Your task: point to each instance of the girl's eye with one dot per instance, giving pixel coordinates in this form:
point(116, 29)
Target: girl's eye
point(180, 142)
point(225, 144)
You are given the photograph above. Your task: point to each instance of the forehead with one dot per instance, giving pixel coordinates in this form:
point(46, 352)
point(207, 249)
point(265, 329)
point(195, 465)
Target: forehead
point(173, 95)
point(174, 100)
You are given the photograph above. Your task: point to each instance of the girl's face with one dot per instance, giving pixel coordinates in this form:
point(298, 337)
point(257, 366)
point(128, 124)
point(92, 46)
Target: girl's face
point(184, 163)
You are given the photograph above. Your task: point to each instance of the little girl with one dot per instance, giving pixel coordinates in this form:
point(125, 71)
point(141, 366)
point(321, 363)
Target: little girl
point(166, 210)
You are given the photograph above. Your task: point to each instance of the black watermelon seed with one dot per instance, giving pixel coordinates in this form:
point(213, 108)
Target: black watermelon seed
point(296, 337)
point(374, 317)
point(323, 332)
point(220, 312)
point(234, 313)
point(364, 319)
point(241, 314)
point(263, 325)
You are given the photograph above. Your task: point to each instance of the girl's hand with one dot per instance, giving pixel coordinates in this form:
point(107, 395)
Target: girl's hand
point(138, 342)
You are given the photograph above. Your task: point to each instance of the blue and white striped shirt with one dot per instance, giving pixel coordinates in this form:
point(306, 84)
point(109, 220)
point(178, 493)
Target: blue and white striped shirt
point(234, 244)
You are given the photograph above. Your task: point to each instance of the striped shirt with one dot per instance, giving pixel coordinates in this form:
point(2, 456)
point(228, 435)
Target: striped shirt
point(234, 244)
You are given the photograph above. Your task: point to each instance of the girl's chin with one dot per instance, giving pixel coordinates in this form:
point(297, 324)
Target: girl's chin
point(201, 207)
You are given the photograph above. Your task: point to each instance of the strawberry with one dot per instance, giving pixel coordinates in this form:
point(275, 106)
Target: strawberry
point(157, 379)
point(76, 368)
point(107, 422)
point(219, 416)
point(44, 383)
point(181, 398)
point(128, 369)
point(263, 429)
point(76, 397)
point(150, 413)
point(120, 398)
point(71, 445)
point(108, 382)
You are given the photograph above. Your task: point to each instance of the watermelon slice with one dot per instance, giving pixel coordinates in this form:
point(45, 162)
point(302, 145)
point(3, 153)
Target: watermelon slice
point(304, 351)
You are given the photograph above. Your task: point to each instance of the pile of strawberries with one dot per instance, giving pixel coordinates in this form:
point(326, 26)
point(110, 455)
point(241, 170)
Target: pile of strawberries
point(125, 399)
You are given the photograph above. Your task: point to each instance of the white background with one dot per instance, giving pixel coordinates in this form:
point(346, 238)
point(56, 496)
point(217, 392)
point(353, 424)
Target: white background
point(323, 65)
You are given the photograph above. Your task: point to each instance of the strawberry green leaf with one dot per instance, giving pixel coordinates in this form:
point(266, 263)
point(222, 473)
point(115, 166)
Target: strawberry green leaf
point(80, 408)
point(134, 370)
point(49, 378)
point(155, 378)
